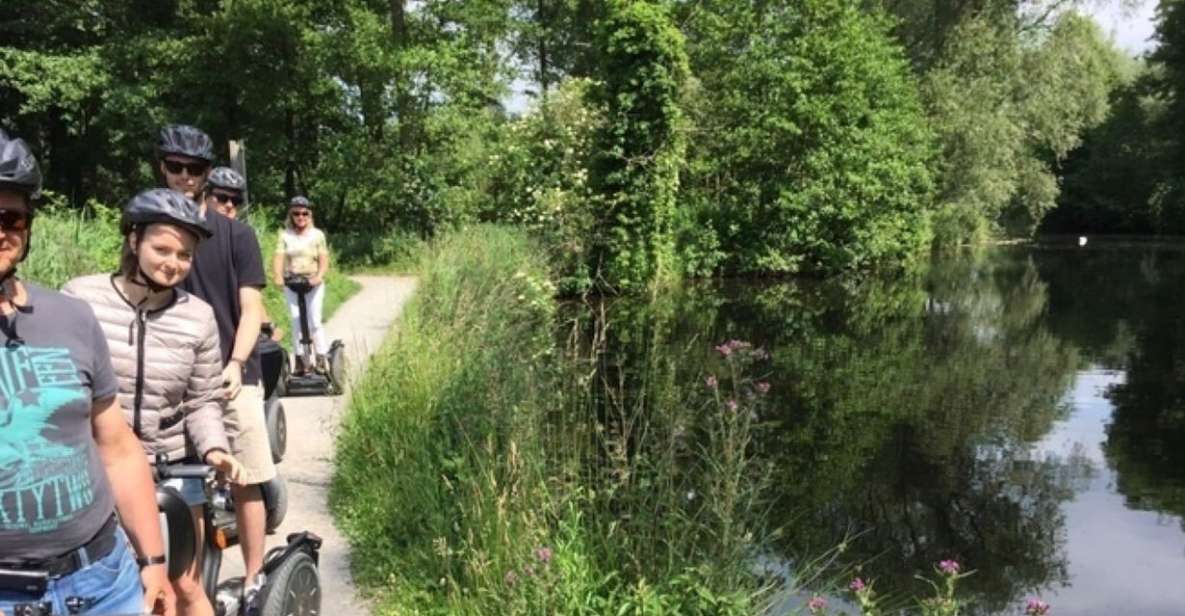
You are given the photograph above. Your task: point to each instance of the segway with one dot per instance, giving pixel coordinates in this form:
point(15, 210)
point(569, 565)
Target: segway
point(289, 582)
point(273, 361)
point(312, 379)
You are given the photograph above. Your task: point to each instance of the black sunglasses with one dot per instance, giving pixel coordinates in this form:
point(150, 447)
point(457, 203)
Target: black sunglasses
point(194, 169)
point(14, 220)
point(300, 213)
point(223, 198)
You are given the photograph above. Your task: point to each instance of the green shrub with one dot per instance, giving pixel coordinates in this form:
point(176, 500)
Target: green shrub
point(67, 243)
point(810, 152)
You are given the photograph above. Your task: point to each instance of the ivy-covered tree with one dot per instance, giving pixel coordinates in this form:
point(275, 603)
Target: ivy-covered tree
point(641, 145)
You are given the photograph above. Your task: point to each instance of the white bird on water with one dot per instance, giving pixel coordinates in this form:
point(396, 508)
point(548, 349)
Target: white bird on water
point(1081, 240)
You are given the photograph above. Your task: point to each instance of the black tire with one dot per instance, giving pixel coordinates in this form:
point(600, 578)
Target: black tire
point(211, 567)
point(277, 428)
point(281, 388)
point(337, 366)
point(275, 501)
point(293, 589)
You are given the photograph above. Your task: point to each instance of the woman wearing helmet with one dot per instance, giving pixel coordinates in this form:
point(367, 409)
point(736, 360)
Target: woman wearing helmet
point(164, 348)
point(303, 251)
point(68, 461)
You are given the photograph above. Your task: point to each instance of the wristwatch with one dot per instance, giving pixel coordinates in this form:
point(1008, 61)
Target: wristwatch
point(148, 561)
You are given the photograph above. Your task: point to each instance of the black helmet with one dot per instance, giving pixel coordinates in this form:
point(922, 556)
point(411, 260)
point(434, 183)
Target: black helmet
point(300, 201)
point(227, 179)
point(161, 205)
point(185, 140)
point(18, 167)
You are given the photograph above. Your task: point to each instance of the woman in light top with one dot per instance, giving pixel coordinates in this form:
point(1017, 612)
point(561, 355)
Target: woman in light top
point(303, 251)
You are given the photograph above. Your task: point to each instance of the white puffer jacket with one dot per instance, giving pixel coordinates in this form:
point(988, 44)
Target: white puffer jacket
point(180, 406)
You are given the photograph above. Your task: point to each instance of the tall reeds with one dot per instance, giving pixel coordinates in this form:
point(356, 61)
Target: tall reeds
point(504, 457)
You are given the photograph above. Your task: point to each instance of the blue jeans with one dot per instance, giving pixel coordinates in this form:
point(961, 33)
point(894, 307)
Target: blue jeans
point(108, 586)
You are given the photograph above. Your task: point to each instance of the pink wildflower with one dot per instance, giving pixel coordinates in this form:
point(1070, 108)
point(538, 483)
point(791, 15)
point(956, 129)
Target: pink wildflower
point(762, 387)
point(711, 382)
point(816, 604)
point(543, 554)
point(949, 567)
point(732, 405)
point(857, 585)
point(1036, 607)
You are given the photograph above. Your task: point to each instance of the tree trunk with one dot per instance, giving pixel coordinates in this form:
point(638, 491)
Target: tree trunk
point(541, 52)
point(403, 102)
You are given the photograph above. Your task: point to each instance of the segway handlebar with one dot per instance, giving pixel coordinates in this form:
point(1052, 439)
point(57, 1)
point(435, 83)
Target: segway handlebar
point(185, 471)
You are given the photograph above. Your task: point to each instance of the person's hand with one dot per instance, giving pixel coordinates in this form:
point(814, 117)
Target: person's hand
point(279, 280)
point(227, 465)
point(232, 380)
point(158, 592)
point(277, 334)
point(315, 280)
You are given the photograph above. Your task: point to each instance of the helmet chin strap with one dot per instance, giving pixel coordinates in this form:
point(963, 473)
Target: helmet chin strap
point(142, 279)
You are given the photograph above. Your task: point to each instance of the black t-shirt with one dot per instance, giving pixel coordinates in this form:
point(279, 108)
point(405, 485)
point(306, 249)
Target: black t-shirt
point(223, 264)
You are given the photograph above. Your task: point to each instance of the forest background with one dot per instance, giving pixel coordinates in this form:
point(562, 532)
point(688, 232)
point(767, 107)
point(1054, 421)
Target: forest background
point(664, 138)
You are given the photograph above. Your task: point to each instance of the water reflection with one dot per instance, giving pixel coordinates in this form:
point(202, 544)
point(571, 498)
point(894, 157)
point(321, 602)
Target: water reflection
point(1020, 410)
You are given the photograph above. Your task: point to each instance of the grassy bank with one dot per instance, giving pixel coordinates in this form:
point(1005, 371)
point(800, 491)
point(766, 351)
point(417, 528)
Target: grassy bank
point(492, 462)
point(68, 243)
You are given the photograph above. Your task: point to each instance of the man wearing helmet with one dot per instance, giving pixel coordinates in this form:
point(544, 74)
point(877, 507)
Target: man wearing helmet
point(228, 274)
point(68, 460)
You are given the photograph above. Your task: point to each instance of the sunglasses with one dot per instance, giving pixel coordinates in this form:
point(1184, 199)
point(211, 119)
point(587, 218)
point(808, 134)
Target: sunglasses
point(301, 213)
point(223, 198)
point(13, 220)
point(194, 169)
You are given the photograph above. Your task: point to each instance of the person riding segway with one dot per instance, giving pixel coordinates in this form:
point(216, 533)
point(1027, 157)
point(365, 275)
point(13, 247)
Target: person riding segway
point(68, 461)
point(164, 348)
point(300, 264)
point(228, 274)
point(227, 194)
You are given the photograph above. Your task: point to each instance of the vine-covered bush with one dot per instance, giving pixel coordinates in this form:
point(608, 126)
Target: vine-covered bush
point(641, 146)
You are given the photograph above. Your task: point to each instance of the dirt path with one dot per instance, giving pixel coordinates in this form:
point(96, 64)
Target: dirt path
point(361, 323)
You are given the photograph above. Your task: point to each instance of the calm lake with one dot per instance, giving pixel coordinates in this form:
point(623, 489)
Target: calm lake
point(1020, 410)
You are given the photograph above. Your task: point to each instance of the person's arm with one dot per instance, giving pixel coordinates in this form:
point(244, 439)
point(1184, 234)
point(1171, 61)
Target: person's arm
point(246, 335)
point(278, 263)
point(135, 496)
point(203, 405)
point(249, 266)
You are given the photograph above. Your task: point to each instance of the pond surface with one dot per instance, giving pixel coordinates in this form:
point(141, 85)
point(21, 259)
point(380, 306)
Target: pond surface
point(1021, 410)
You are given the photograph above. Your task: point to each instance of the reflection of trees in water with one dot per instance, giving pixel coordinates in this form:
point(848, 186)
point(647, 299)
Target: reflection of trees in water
point(1146, 438)
point(1123, 308)
point(909, 417)
point(903, 410)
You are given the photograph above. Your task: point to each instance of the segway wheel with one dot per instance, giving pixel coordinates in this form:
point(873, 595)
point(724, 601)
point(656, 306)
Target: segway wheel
point(293, 589)
point(281, 389)
point(337, 366)
point(275, 502)
point(277, 428)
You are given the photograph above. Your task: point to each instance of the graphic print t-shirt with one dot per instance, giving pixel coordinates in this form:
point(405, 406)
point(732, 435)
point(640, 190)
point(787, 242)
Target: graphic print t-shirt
point(54, 494)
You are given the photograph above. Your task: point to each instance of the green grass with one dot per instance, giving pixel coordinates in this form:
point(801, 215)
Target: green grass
point(478, 470)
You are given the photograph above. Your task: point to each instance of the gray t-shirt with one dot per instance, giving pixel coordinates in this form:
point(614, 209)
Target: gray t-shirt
point(54, 493)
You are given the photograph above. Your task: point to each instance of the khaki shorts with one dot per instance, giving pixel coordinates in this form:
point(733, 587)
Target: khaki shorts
point(249, 443)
